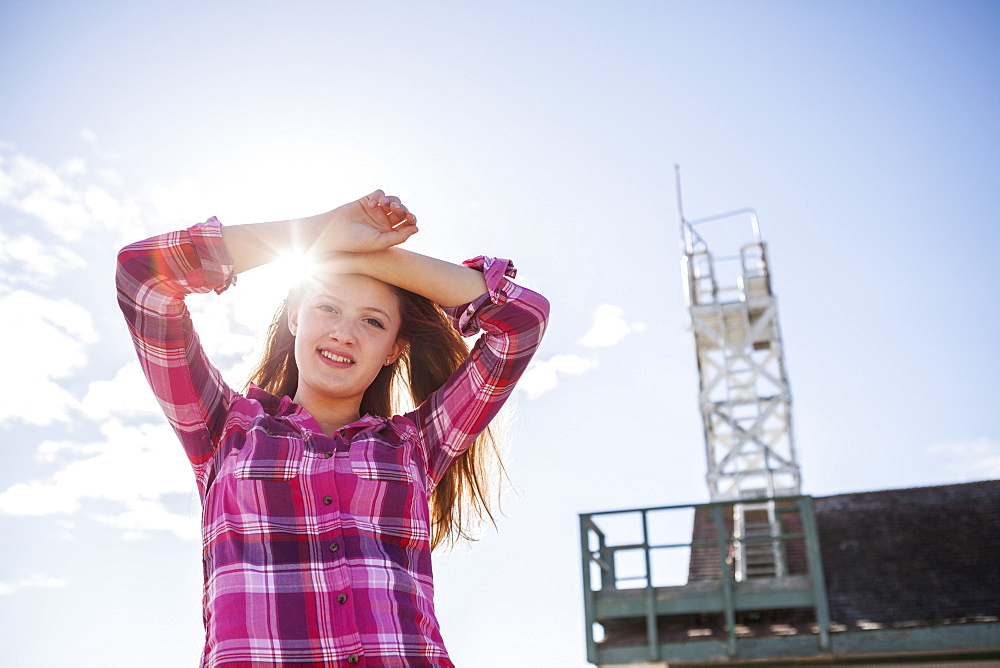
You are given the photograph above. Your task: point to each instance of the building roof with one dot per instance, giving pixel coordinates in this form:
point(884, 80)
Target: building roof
point(920, 556)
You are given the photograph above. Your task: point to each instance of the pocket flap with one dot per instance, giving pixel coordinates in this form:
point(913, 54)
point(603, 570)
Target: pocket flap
point(268, 456)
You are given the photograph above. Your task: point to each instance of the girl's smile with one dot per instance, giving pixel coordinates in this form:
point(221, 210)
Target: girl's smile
point(336, 359)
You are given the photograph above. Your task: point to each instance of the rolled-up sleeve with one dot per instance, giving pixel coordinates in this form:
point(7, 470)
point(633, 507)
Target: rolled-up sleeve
point(512, 319)
point(153, 277)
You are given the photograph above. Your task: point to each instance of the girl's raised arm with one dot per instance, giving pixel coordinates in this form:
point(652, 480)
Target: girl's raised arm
point(442, 282)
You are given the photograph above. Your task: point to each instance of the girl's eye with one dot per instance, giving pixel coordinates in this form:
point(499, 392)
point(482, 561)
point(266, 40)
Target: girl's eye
point(375, 322)
point(326, 308)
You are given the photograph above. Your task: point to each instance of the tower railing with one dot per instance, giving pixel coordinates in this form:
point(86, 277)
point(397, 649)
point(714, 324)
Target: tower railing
point(644, 585)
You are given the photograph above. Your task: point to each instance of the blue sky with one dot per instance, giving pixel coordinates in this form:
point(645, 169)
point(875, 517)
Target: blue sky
point(864, 134)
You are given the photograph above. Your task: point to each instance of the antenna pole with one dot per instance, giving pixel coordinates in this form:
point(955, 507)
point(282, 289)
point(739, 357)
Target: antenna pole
point(677, 182)
point(682, 224)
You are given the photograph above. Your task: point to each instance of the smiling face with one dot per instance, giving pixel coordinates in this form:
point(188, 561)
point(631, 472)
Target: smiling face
point(345, 329)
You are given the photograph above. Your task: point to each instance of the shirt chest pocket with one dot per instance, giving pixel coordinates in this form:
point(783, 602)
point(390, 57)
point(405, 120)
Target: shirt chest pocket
point(382, 485)
point(374, 459)
point(380, 462)
point(269, 456)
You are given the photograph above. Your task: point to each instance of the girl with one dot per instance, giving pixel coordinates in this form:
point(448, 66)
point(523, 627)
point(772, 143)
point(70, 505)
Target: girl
point(320, 504)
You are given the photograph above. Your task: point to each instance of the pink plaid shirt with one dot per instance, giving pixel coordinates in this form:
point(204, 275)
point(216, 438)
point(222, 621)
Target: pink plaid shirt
point(316, 548)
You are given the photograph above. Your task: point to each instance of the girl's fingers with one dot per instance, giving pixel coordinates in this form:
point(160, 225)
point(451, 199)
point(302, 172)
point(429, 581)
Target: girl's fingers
point(397, 212)
point(405, 232)
point(389, 203)
point(392, 207)
point(408, 222)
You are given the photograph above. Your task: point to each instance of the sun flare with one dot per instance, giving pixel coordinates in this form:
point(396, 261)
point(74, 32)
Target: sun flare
point(292, 267)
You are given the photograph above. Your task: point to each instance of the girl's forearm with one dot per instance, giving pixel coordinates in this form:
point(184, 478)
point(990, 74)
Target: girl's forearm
point(257, 244)
point(444, 283)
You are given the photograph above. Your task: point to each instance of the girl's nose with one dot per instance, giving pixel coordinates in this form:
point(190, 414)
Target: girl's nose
point(343, 332)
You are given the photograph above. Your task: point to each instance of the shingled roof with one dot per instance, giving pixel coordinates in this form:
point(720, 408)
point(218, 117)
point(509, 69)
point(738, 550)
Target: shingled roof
point(920, 556)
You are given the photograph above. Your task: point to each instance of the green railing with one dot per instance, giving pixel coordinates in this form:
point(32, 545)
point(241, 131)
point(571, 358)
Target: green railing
point(634, 567)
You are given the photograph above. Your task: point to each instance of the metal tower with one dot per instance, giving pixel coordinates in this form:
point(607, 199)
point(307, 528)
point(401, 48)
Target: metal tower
point(744, 393)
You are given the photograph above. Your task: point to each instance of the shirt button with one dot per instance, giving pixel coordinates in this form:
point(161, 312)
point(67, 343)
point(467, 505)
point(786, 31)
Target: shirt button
point(327, 500)
point(328, 454)
point(342, 599)
point(352, 659)
point(334, 547)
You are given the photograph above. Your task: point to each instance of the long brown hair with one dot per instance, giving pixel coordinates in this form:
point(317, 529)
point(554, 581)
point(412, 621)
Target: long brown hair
point(463, 498)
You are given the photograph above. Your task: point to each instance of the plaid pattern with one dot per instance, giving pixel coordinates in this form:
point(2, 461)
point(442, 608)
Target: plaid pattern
point(316, 548)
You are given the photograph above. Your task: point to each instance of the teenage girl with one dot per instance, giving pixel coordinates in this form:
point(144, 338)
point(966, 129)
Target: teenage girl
point(321, 499)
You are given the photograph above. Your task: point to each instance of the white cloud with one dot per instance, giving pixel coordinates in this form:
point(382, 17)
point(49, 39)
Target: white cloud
point(134, 466)
point(32, 581)
point(74, 167)
point(31, 262)
point(111, 177)
point(543, 375)
point(609, 327)
point(111, 213)
point(94, 143)
point(126, 395)
point(141, 516)
point(215, 318)
point(37, 189)
point(66, 203)
point(6, 182)
point(44, 340)
point(55, 218)
point(973, 459)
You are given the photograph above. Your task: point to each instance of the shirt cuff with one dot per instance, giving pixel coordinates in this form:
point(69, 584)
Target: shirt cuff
point(497, 272)
point(216, 270)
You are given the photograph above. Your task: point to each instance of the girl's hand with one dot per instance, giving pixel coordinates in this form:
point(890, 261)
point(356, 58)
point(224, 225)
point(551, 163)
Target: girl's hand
point(372, 223)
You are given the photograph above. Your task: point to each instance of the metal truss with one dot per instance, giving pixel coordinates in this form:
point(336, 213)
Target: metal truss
point(744, 393)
